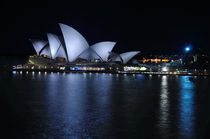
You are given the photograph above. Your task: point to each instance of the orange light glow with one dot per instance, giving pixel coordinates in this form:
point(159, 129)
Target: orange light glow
point(165, 60)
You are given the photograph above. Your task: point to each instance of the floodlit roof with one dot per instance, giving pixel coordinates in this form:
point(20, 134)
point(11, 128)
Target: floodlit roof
point(38, 45)
point(128, 56)
point(54, 44)
point(89, 54)
point(46, 51)
point(73, 45)
point(74, 41)
point(61, 52)
point(103, 49)
point(115, 57)
point(56, 47)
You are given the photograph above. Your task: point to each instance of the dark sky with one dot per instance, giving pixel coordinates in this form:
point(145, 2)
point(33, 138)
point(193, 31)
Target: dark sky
point(134, 26)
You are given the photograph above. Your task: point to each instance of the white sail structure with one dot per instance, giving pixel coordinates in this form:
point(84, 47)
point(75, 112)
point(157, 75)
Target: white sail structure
point(46, 51)
point(75, 43)
point(89, 54)
point(61, 52)
point(56, 47)
point(103, 49)
point(54, 44)
point(38, 45)
point(115, 57)
point(128, 56)
point(72, 45)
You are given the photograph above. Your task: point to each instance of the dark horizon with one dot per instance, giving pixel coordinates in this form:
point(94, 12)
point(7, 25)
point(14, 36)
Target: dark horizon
point(133, 27)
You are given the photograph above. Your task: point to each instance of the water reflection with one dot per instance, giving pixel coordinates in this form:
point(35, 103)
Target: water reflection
point(164, 107)
point(14, 72)
point(104, 106)
point(76, 107)
point(186, 108)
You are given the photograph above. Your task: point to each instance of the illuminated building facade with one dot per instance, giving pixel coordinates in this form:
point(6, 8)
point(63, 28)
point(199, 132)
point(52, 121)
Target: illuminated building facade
point(76, 47)
point(156, 60)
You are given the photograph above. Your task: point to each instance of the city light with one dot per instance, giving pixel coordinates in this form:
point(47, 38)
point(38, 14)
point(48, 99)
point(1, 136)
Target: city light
point(187, 49)
point(165, 69)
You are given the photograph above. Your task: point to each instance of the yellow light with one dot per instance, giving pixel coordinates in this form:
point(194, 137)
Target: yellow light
point(165, 60)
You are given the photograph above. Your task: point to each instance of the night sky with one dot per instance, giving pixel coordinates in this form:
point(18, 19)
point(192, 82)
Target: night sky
point(134, 26)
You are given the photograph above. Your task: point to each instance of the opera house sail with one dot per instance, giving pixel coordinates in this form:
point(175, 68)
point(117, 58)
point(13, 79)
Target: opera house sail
point(46, 51)
point(57, 49)
point(74, 41)
point(103, 49)
point(89, 54)
point(38, 45)
point(128, 55)
point(72, 46)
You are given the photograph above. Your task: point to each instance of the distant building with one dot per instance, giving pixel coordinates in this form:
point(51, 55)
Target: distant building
point(196, 59)
point(157, 62)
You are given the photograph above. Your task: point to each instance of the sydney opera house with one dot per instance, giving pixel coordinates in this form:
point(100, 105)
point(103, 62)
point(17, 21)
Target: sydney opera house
point(73, 49)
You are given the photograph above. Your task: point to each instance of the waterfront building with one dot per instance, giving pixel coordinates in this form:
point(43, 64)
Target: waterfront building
point(74, 48)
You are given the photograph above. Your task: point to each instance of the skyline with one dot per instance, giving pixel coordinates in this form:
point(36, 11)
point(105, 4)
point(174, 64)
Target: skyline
point(149, 30)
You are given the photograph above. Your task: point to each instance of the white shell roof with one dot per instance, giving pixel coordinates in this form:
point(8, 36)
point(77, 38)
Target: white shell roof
point(115, 57)
point(74, 41)
point(128, 55)
point(103, 49)
point(38, 45)
point(89, 54)
point(54, 44)
point(75, 46)
point(61, 52)
point(46, 51)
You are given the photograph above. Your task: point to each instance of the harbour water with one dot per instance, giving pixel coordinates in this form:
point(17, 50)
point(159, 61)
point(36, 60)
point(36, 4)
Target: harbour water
point(93, 105)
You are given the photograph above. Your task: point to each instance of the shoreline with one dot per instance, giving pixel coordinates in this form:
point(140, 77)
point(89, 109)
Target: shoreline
point(110, 72)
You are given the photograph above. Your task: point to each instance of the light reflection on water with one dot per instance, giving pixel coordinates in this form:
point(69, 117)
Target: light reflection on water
point(164, 107)
point(186, 108)
point(83, 105)
point(82, 110)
